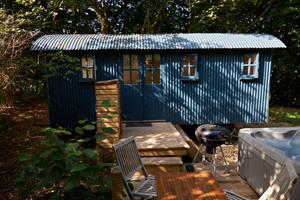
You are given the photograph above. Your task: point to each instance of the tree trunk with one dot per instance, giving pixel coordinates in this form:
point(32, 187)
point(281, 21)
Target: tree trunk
point(101, 15)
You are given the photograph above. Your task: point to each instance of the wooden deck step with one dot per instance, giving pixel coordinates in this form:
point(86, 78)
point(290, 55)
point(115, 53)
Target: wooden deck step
point(158, 139)
point(162, 164)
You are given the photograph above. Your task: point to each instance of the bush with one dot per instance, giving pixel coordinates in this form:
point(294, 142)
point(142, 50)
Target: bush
point(63, 170)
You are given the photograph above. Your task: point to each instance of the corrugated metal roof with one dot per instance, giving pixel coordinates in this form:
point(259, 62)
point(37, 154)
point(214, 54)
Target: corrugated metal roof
point(156, 41)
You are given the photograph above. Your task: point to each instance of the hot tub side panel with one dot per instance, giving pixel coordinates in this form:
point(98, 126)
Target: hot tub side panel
point(259, 164)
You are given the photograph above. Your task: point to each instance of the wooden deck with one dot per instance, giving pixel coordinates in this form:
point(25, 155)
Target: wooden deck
point(159, 139)
point(231, 181)
point(161, 142)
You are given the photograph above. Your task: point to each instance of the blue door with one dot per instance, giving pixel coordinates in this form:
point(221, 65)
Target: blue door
point(153, 98)
point(142, 90)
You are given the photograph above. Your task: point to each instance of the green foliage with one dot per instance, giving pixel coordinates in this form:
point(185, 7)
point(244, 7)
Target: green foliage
point(63, 170)
point(286, 115)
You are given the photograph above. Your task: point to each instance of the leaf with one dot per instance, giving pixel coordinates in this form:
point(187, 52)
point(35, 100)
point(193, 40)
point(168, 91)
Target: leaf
point(108, 130)
point(77, 167)
point(89, 127)
point(25, 157)
point(71, 183)
point(105, 103)
point(82, 121)
point(65, 132)
point(100, 137)
point(79, 130)
point(90, 153)
point(56, 173)
point(84, 140)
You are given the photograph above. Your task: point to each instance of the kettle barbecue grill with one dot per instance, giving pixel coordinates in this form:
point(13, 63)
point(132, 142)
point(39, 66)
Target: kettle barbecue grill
point(211, 136)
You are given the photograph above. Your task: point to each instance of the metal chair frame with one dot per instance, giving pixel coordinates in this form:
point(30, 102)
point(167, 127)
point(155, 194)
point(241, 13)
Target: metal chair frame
point(130, 162)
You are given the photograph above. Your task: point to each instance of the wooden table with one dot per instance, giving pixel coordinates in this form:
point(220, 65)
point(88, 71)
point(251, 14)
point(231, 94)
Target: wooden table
point(188, 185)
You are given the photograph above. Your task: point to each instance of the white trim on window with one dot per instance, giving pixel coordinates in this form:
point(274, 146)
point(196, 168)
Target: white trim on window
point(85, 67)
point(249, 69)
point(189, 68)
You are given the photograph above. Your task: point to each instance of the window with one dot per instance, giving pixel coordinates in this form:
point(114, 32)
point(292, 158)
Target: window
point(152, 68)
point(189, 70)
point(250, 66)
point(88, 67)
point(131, 69)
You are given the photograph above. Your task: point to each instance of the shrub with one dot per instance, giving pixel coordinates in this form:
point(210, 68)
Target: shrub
point(64, 170)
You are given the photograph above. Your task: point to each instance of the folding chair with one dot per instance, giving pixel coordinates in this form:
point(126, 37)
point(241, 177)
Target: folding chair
point(280, 188)
point(129, 161)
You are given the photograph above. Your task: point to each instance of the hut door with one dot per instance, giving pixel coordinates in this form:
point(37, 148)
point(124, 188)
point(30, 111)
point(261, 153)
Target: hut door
point(153, 99)
point(132, 95)
point(142, 91)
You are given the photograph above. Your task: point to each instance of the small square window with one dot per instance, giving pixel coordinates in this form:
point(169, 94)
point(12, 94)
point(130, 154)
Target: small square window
point(250, 66)
point(189, 70)
point(88, 67)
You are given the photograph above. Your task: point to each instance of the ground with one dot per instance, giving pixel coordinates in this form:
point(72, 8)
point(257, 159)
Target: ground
point(21, 126)
point(18, 131)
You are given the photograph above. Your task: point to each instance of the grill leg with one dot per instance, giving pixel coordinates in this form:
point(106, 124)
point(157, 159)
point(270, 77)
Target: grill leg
point(214, 162)
point(225, 161)
point(200, 147)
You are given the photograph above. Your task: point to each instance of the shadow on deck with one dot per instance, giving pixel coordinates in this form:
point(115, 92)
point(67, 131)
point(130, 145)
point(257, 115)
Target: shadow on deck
point(162, 146)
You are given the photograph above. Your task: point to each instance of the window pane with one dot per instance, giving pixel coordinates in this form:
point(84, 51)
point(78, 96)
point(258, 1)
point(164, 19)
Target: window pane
point(186, 60)
point(90, 72)
point(148, 59)
point(156, 60)
point(84, 72)
point(192, 70)
point(83, 61)
point(134, 61)
point(185, 70)
point(94, 60)
point(135, 77)
point(126, 61)
point(245, 70)
point(252, 70)
point(253, 59)
point(149, 76)
point(156, 78)
point(246, 59)
point(126, 77)
point(89, 61)
point(193, 59)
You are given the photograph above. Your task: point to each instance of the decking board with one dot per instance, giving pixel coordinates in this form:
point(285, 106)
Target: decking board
point(160, 139)
point(231, 180)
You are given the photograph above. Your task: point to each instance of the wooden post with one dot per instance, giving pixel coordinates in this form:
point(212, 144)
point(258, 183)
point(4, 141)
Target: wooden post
point(117, 186)
point(108, 112)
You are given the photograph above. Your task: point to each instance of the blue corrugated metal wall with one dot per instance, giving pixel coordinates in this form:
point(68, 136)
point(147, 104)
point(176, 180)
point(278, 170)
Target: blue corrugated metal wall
point(70, 100)
point(218, 97)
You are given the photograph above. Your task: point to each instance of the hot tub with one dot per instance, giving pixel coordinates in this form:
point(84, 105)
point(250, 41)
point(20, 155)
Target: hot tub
point(263, 151)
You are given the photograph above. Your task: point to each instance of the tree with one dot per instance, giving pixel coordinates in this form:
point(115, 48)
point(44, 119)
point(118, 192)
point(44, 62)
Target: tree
point(13, 41)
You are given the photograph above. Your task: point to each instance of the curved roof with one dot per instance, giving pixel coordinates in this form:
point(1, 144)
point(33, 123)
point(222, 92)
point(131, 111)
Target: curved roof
point(156, 41)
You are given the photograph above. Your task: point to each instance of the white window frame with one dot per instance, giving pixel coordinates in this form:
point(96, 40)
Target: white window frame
point(86, 66)
point(249, 76)
point(189, 77)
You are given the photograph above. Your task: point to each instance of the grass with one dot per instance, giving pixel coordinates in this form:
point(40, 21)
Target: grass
point(285, 115)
